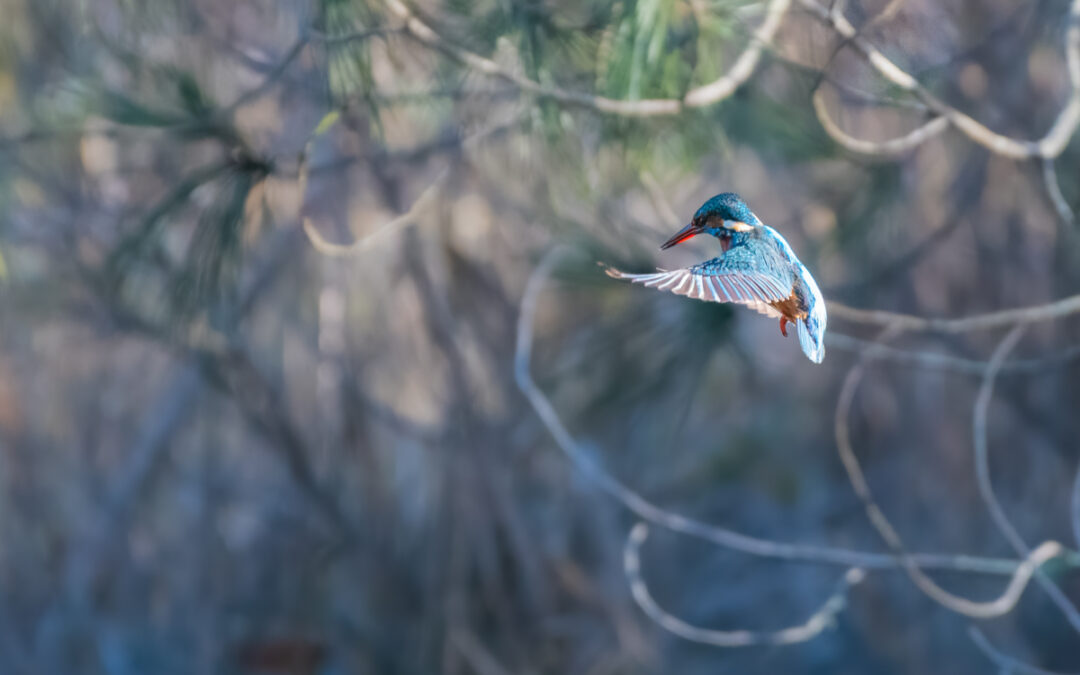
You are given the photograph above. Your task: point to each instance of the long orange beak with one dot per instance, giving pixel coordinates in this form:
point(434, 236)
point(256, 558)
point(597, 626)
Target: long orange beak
point(682, 235)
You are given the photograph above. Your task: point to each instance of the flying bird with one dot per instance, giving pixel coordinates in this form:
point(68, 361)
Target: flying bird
point(757, 268)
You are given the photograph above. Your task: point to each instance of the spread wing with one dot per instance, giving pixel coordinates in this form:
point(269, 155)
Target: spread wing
point(742, 275)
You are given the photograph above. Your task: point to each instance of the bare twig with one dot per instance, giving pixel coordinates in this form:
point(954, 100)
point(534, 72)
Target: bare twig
point(479, 658)
point(888, 149)
point(699, 97)
point(355, 36)
point(1076, 508)
point(1048, 147)
point(1008, 598)
point(425, 200)
point(939, 361)
point(982, 472)
point(1053, 190)
point(720, 536)
point(1008, 317)
point(819, 621)
point(1006, 663)
point(272, 77)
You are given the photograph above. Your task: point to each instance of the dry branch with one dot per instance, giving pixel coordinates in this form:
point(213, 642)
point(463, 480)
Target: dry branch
point(720, 536)
point(888, 149)
point(328, 248)
point(1006, 663)
point(1048, 147)
point(982, 472)
point(999, 606)
point(1009, 317)
point(819, 621)
point(699, 97)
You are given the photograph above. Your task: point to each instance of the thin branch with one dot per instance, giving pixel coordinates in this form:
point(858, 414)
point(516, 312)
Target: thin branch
point(479, 658)
point(425, 200)
point(1049, 146)
point(422, 203)
point(272, 77)
point(699, 97)
point(999, 606)
point(1053, 190)
point(1075, 503)
point(355, 36)
point(887, 149)
point(939, 361)
point(1006, 663)
point(720, 536)
point(823, 618)
point(982, 472)
point(1008, 317)
point(744, 66)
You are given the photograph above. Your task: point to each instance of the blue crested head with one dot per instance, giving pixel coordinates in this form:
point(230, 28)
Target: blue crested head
point(728, 206)
point(723, 216)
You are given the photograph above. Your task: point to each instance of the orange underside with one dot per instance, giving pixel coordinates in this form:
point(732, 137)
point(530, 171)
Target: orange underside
point(789, 311)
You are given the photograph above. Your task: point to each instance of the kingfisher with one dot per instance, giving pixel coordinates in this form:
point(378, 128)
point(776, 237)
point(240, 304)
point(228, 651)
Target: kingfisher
point(757, 268)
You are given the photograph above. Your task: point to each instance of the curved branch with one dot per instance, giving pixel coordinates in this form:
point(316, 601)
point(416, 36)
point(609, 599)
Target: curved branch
point(1006, 663)
point(675, 522)
point(1053, 190)
point(820, 620)
point(891, 148)
point(744, 66)
point(999, 606)
point(705, 95)
point(328, 248)
point(982, 472)
point(1049, 146)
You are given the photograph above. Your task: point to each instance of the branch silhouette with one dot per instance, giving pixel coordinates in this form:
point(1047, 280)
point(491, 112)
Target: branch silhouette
point(1020, 572)
point(1006, 663)
point(999, 606)
point(698, 97)
point(982, 472)
point(818, 622)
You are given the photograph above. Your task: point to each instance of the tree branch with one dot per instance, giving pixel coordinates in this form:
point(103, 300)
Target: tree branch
point(1048, 147)
point(999, 606)
point(1053, 190)
point(720, 536)
point(820, 620)
point(888, 149)
point(328, 248)
point(699, 97)
point(939, 361)
point(1006, 663)
point(1008, 317)
point(982, 472)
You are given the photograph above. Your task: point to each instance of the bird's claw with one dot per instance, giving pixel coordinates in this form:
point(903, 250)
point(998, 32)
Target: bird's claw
point(783, 325)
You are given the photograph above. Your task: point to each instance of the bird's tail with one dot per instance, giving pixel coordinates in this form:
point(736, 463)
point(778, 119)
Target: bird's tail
point(811, 338)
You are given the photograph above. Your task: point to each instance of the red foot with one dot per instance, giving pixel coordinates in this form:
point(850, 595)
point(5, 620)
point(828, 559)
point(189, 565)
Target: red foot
point(783, 325)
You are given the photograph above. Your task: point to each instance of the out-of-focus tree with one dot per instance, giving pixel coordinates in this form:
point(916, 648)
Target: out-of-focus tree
point(271, 401)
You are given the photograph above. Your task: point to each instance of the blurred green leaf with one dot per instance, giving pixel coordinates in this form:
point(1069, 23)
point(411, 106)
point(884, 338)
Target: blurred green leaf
point(327, 123)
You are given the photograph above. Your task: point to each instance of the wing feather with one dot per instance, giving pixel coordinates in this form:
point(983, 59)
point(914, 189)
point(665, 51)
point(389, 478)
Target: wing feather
point(713, 283)
point(758, 270)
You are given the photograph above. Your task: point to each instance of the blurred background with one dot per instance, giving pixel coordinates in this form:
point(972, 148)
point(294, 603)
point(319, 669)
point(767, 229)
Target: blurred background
point(261, 266)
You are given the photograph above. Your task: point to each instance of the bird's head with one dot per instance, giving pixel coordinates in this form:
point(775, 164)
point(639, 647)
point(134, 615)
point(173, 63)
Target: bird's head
point(723, 217)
